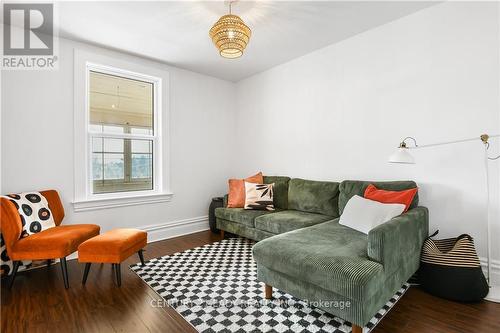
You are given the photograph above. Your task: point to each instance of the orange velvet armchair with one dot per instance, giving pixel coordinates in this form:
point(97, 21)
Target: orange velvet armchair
point(57, 242)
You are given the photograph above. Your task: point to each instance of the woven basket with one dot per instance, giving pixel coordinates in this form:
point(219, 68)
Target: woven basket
point(450, 268)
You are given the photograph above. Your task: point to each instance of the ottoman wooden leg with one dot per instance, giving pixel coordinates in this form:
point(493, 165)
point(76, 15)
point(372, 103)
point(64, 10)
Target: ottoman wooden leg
point(118, 274)
point(268, 291)
point(86, 272)
point(141, 256)
point(356, 329)
point(222, 234)
point(64, 269)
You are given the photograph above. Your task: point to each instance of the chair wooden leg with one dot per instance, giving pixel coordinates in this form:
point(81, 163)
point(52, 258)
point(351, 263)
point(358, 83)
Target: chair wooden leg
point(64, 269)
point(268, 291)
point(118, 275)
point(86, 272)
point(15, 267)
point(222, 234)
point(356, 329)
point(141, 256)
point(49, 262)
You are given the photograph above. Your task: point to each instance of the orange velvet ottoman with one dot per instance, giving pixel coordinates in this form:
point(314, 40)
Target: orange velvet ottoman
point(112, 247)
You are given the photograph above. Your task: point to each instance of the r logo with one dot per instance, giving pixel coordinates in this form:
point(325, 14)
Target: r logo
point(28, 29)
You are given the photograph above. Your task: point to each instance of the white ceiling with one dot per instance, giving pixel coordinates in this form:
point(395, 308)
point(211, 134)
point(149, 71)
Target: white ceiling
point(176, 32)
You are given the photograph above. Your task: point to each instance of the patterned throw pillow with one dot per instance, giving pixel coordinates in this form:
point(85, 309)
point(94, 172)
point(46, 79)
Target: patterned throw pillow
point(35, 216)
point(259, 196)
point(34, 212)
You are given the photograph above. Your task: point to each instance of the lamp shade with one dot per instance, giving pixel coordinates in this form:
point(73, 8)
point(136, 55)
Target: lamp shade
point(402, 155)
point(230, 35)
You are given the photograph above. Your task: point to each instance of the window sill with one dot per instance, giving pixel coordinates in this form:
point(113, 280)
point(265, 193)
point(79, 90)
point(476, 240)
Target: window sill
point(114, 202)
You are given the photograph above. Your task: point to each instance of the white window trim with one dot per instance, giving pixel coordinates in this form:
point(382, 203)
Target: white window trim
point(122, 201)
point(84, 199)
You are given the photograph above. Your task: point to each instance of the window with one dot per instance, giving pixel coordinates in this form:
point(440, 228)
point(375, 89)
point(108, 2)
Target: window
point(121, 132)
point(120, 114)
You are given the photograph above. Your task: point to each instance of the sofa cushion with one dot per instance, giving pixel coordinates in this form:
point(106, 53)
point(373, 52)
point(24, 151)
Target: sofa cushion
point(56, 242)
point(280, 190)
point(288, 220)
point(328, 255)
point(240, 215)
point(313, 196)
point(349, 188)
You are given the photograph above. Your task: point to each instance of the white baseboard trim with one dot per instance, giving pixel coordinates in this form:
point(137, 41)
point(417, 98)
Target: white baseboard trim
point(494, 272)
point(162, 231)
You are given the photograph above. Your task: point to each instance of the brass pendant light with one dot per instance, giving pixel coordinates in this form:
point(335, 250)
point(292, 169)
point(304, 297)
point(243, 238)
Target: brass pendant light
point(230, 35)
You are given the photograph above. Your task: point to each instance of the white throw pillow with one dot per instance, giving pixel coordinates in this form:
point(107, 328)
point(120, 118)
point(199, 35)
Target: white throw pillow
point(363, 214)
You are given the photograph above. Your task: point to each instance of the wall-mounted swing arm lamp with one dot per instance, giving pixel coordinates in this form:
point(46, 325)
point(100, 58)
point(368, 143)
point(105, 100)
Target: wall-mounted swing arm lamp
point(402, 155)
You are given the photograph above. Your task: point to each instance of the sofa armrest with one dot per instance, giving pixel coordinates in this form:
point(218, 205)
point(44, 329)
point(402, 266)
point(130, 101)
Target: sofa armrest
point(398, 242)
point(224, 201)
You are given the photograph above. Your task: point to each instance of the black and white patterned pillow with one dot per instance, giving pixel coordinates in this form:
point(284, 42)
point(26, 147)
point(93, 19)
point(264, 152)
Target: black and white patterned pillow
point(259, 196)
point(35, 216)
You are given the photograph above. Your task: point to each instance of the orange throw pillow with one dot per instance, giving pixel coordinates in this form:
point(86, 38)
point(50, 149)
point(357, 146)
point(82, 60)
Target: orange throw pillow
point(236, 198)
point(401, 197)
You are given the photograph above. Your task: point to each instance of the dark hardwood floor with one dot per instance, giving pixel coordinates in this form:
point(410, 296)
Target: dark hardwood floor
point(38, 302)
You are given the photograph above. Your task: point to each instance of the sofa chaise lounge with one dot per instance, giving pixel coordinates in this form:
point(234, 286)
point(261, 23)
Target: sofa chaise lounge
point(304, 251)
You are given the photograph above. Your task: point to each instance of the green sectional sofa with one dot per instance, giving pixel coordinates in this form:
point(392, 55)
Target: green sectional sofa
point(304, 251)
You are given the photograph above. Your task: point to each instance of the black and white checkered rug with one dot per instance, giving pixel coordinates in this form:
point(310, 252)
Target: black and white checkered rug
point(215, 288)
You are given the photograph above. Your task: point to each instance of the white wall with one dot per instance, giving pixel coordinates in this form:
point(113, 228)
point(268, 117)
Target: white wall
point(336, 113)
point(37, 142)
point(339, 112)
